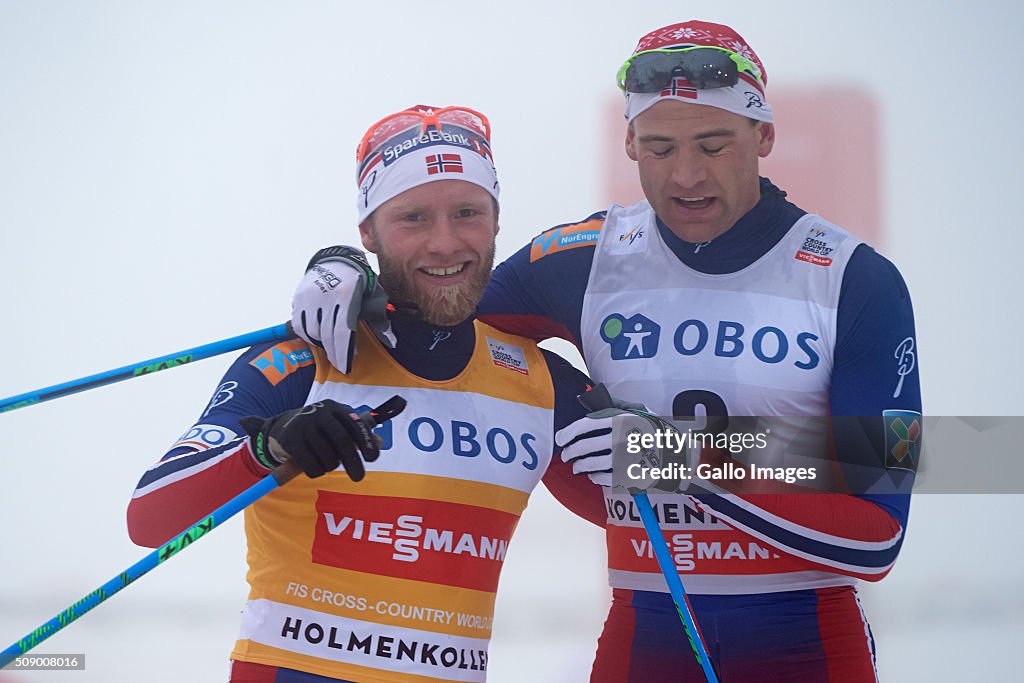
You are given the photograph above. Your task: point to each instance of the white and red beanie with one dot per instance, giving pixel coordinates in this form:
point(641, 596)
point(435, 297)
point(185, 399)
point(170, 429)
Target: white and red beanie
point(746, 98)
point(419, 145)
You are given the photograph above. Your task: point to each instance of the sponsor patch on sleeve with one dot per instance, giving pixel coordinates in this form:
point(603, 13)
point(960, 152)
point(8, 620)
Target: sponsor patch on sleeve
point(508, 356)
point(903, 430)
point(283, 359)
point(565, 237)
point(203, 437)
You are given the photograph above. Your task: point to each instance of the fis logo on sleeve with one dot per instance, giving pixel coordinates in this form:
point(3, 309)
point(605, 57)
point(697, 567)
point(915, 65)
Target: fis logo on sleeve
point(633, 337)
point(902, 439)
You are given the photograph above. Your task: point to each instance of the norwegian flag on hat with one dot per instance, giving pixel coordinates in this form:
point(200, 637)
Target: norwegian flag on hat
point(444, 163)
point(692, 33)
point(680, 87)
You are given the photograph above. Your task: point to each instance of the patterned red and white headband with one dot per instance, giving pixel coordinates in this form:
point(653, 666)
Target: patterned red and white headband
point(746, 98)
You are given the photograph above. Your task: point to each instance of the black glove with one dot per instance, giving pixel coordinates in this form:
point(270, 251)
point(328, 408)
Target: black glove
point(317, 438)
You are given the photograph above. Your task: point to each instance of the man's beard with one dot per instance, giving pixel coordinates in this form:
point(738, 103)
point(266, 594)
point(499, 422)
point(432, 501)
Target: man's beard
point(444, 306)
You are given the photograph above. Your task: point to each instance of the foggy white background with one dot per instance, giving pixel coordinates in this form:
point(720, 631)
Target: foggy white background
point(166, 169)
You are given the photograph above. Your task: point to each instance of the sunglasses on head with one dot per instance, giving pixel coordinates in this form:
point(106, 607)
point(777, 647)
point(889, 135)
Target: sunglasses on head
point(704, 67)
point(425, 118)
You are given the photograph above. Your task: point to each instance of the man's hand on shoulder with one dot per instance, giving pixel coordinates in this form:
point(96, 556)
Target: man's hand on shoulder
point(338, 289)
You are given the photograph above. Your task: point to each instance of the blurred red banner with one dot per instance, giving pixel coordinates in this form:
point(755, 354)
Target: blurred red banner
point(826, 156)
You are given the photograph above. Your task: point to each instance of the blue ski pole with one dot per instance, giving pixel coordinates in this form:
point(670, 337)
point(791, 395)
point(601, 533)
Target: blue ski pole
point(172, 360)
point(598, 398)
point(280, 476)
point(675, 584)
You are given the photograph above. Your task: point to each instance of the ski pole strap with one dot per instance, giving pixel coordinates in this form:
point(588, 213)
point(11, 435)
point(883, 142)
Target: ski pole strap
point(598, 398)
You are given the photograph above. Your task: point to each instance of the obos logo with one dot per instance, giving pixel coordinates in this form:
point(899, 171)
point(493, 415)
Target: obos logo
point(203, 437)
point(633, 337)
point(638, 336)
point(461, 439)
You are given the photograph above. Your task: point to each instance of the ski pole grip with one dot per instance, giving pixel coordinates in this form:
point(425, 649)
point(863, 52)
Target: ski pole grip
point(596, 398)
point(288, 470)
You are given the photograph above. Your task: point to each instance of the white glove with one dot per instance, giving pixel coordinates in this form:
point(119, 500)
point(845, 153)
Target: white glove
point(587, 445)
point(338, 290)
point(590, 443)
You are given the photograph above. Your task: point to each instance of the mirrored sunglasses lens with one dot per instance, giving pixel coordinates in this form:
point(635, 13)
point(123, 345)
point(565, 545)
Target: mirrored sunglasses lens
point(712, 69)
point(705, 69)
point(466, 119)
point(387, 128)
point(650, 72)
